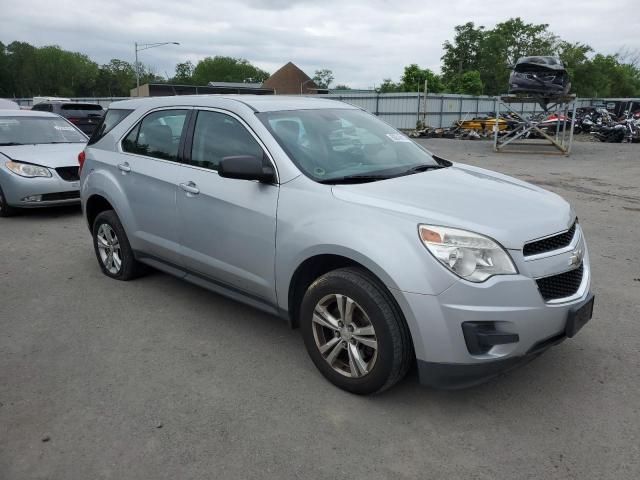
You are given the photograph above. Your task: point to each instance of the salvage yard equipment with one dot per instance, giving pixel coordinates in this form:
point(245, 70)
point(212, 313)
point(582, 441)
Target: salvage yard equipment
point(555, 107)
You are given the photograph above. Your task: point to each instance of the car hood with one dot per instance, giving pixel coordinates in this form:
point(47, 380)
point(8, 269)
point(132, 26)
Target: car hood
point(52, 155)
point(508, 210)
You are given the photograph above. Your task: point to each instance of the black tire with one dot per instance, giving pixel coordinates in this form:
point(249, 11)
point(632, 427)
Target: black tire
point(394, 347)
point(6, 210)
point(130, 268)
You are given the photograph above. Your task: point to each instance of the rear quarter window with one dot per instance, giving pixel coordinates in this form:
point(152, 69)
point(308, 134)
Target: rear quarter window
point(112, 118)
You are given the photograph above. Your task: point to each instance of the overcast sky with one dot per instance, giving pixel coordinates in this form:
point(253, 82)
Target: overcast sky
point(362, 41)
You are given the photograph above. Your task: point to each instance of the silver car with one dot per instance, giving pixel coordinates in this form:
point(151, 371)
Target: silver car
point(38, 161)
point(383, 254)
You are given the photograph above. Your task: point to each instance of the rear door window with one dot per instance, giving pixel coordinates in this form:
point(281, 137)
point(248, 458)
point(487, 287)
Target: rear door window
point(157, 135)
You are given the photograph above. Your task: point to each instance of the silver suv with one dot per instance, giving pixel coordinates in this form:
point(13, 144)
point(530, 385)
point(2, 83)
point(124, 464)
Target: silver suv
point(382, 253)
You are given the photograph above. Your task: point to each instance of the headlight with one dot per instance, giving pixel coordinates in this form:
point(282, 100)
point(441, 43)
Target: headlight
point(469, 255)
point(28, 170)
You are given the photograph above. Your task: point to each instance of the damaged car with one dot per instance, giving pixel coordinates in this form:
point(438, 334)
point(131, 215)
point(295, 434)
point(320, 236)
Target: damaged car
point(539, 75)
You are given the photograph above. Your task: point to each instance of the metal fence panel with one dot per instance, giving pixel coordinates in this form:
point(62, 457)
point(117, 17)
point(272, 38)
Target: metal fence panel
point(402, 110)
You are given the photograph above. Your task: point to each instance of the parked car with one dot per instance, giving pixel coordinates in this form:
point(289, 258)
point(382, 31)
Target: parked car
point(8, 105)
point(85, 116)
point(539, 75)
point(38, 160)
point(382, 253)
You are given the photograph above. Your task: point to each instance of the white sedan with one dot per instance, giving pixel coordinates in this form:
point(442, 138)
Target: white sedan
point(38, 160)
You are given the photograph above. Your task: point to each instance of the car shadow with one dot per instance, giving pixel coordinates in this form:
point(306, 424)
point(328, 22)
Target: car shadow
point(46, 213)
point(254, 328)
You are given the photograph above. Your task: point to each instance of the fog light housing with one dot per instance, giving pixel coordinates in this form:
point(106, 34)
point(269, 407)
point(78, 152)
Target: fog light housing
point(32, 198)
point(481, 337)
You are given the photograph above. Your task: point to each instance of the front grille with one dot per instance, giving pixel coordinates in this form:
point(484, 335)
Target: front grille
point(70, 174)
point(50, 197)
point(550, 243)
point(562, 285)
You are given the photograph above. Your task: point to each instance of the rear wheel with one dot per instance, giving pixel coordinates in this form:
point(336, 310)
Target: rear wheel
point(112, 248)
point(5, 209)
point(354, 333)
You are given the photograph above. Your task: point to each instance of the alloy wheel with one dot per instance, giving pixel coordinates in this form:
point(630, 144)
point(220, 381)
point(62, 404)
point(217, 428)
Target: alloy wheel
point(345, 336)
point(109, 248)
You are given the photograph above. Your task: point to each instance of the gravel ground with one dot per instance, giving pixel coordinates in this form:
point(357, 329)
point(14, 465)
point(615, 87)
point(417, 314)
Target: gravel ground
point(159, 379)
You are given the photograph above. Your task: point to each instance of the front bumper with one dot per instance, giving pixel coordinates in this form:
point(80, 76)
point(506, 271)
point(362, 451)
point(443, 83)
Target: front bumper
point(49, 191)
point(451, 376)
point(510, 304)
point(538, 88)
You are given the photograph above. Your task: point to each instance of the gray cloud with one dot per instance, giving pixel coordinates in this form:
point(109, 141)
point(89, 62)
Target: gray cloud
point(362, 41)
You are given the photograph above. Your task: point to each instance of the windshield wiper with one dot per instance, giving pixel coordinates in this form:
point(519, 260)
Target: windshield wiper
point(10, 144)
point(354, 179)
point(422, 168)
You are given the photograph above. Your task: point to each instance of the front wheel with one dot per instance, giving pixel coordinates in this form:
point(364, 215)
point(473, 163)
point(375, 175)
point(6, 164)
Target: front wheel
point(5, 209)
point(354, 333)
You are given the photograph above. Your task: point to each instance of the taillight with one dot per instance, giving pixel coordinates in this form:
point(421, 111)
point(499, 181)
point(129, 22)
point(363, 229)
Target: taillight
point(81, 158)
point(74, 119)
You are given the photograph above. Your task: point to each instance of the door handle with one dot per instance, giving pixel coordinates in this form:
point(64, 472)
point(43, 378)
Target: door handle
point(190, 187)
point(124, 167)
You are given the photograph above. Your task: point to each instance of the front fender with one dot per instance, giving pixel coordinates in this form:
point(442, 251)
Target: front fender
point(311, 221)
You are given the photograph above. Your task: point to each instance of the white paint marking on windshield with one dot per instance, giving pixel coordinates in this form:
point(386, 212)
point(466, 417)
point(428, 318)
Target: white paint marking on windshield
point(398, 137)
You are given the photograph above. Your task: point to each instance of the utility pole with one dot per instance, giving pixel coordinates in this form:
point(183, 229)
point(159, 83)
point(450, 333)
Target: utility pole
point(146, 46)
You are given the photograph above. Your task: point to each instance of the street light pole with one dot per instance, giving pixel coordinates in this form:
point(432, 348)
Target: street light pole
point(137, 73)
point(146, 46)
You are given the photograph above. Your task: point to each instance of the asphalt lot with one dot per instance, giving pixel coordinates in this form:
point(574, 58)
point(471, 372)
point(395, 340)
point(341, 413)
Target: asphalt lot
point(157, 378)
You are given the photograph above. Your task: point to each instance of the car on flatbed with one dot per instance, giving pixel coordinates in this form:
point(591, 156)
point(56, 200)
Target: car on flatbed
point(383, 254)
point(539, 75)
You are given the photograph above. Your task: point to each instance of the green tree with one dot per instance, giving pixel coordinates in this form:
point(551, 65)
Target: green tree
point(21, 67)
point(389, 86)
point(341, 86)
point(323, 78)
point(467, 83)
point(184, 73)
point(5, 76)
point(491, 52)
point(463, 54)
point(116, 78)
point(227, 69)
point(503, 45)
point(413, 79)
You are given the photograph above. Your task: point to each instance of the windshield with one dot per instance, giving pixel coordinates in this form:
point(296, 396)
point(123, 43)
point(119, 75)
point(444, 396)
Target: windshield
point(331, 144)
point(23, 130)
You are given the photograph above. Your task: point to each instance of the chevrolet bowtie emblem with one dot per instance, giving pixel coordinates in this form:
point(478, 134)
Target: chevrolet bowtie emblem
point(576, 256)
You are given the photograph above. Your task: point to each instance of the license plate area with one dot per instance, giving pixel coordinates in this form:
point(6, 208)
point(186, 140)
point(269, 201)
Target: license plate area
point(578, 317)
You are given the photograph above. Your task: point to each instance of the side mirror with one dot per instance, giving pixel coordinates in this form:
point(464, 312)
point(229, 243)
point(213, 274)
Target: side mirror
point(246, 167)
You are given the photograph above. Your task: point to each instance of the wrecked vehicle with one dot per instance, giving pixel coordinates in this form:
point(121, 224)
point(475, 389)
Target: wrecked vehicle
point(539, 75)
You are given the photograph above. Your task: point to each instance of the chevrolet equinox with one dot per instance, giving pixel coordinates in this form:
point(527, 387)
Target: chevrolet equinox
point(383, 254)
